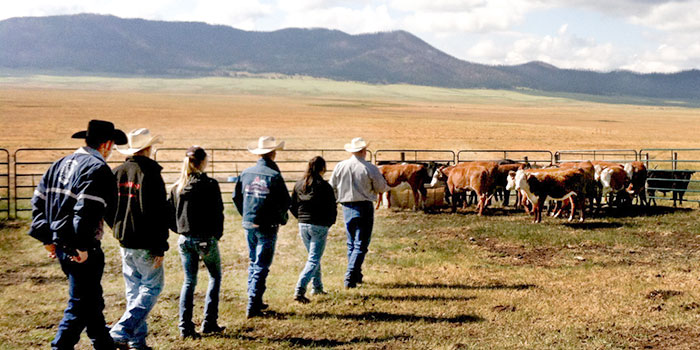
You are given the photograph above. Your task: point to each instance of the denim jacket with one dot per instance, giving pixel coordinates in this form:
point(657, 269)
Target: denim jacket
point(261, 195)
point(72, 199)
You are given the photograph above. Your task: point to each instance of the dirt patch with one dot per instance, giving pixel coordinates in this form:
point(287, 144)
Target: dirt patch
point(504, 308)
point(667, 337)
point(662, 294)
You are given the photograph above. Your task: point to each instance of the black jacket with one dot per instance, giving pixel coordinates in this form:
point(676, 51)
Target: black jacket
point(316, 205)
point(143, 212)
point(199, 209)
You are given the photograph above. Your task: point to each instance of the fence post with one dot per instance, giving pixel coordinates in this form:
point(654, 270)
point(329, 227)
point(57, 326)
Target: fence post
point(675, 160)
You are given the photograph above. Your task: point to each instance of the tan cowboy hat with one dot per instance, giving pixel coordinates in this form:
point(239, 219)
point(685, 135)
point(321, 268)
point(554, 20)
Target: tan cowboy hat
point(265, 145)
point(139, 139)
point(357, 144)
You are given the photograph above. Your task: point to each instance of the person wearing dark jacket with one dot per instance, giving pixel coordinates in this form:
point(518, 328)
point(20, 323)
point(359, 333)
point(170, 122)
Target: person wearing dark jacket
point(68, 208)
point(313, 204)
point(199, 219)
point(141, 225)
point(262, 199)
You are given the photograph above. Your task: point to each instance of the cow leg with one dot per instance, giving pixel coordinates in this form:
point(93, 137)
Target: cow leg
point(573, 209)
point(379, 200)
point(388, 199)
point(506, 197)
point(424, 194)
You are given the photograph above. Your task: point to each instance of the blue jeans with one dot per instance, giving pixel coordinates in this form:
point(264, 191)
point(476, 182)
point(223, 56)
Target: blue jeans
point(314, 238)
point(85, 303)
point(359, 220)
point(261, 249)
point(191, 250)
point(143, 285)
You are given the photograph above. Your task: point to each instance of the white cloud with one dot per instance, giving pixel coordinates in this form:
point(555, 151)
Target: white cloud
point(469, 16)
point(365, 20)
point(563, 50)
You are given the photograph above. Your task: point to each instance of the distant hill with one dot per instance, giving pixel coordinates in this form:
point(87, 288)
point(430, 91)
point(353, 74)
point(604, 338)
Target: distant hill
point(97, 44)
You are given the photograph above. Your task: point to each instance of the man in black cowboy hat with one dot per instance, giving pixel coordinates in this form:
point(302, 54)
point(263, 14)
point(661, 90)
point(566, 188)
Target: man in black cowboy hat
point(68, 208)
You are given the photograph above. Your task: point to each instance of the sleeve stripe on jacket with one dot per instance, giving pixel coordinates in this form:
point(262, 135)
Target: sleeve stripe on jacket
point(73, 195)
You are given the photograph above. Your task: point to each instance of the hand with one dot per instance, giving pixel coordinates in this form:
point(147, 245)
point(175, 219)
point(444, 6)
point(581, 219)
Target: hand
point(157, 261)
point(81, 257)
point(51, 248)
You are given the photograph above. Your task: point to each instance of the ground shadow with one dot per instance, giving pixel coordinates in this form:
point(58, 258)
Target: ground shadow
point(592, 225)
point(414, 297)
point(312, 342)
point(454, 286)
point(378, 316)
point(635, 211)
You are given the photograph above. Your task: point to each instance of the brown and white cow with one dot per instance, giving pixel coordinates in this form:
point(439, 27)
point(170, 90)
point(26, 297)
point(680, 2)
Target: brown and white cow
point(474, 176)
point(540, 185)
point(413, 174)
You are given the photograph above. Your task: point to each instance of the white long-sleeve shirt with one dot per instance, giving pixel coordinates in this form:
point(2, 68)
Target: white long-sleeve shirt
point(356, 180)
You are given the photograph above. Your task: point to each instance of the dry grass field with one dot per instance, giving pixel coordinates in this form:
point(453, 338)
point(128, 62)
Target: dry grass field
point(626, 280)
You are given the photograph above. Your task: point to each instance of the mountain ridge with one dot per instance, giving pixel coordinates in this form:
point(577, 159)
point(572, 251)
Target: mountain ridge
point(105, 44)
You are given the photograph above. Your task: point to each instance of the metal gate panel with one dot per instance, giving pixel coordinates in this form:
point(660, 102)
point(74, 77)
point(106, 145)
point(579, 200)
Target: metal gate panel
point(4, 184)
point(442, 157)
point(673, 170)
point(535, 157)
point(30, 164)
point(609, 155)
point(226, 164)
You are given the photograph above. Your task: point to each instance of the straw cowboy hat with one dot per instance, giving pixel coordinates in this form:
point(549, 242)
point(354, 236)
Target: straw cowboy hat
point(265, 145)
point(100, 130)
point(357, 144)
point(139, 139)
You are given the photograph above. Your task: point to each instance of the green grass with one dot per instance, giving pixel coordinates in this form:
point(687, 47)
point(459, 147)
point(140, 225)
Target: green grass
point(439, 281)
point(287, 86)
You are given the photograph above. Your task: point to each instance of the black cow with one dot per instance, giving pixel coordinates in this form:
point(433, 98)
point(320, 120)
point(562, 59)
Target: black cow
point(675, 181)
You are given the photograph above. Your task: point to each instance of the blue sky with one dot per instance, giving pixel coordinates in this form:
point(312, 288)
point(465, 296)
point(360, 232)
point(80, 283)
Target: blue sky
point(603, 35)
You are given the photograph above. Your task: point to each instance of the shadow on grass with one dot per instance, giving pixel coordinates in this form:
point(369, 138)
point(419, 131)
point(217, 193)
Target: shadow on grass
point(313, 342)
point(592, 225)
point(378, 316)
point(455, 286)
point(414, 297)
point(635, 211)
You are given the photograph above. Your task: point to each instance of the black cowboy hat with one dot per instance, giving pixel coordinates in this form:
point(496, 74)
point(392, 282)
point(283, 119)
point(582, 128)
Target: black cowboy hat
point(100, 130)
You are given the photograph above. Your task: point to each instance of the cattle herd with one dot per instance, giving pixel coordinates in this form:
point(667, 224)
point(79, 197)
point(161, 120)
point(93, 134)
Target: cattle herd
point(570, 187)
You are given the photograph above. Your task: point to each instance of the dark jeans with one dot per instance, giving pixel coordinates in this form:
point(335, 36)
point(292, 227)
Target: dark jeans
point(191, 250)
point(85, 303)
point(359, 220)
point(261, 249)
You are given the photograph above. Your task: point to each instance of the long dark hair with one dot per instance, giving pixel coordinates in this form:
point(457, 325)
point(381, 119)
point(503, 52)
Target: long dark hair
point(317, 165)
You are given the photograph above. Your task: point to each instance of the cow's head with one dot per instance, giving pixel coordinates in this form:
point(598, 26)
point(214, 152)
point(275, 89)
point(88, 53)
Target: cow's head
point(517, 180)
point(438, 175)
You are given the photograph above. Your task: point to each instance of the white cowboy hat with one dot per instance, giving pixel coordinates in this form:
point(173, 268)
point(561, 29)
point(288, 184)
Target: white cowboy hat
point(265, 145)
point(138, 139)
point(357, 144)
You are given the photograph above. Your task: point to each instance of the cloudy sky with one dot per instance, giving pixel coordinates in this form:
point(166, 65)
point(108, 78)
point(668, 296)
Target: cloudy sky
point(602, 35)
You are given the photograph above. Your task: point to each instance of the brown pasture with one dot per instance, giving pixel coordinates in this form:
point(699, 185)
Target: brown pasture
point(46, 117)
point(432, 281)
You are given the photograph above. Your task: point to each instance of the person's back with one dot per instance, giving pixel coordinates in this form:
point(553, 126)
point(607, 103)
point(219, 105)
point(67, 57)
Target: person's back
point(262, 199)
point(69, 205)
point(141, 226)
point(199, 208)
point(357, 183)
point(142, 214)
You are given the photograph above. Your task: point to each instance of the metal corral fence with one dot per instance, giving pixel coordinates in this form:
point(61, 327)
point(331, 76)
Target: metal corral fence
point(672, 170)
point(225, 164)
point(4, 184)
point(534, 157)
point(401, 195)
point(30, 164)
point(609, 155)
point(422, 156)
